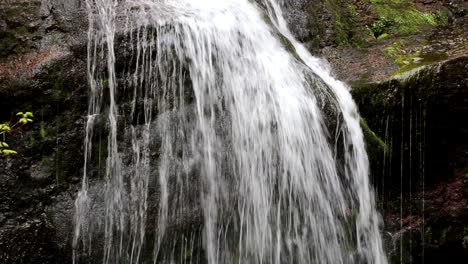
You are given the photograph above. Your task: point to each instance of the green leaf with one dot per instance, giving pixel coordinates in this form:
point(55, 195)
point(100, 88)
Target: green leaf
point(28, 114)
point(42, 131)
point(3, 144)
point(7, 152)
point(5, 127)
point(29, 120)
point(19, 113)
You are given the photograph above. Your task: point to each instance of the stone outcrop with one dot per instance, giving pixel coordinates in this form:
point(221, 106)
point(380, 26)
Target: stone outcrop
point(43, 70)
point(422, 116)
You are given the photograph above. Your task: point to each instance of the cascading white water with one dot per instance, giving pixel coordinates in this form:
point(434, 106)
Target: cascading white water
point(356, 161)
point(271, 185)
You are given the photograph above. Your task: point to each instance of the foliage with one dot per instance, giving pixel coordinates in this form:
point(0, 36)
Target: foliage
point(381, 26)
point(25, 117)
point(401, 17)
point(6, 128)
point(345, 18)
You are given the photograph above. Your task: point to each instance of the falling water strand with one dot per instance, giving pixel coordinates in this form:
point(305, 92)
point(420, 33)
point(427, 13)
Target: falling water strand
point(402, 153)
point(240, 135)
point(410, 171)
point(356, 161)
point(423, 173)
point(386, 162)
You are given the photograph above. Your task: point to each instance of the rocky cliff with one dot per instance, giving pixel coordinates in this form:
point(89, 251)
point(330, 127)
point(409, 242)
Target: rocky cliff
point(42, 70)
point(421, 180)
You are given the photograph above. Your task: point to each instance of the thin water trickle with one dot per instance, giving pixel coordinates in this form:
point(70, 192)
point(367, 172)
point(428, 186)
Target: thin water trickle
point(271, 186)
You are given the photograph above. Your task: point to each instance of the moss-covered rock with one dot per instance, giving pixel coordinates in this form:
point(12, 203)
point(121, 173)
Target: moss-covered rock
point(375, 146)
point(402, 17)
point(422, 117)
point(325, 23)
point(349, 27)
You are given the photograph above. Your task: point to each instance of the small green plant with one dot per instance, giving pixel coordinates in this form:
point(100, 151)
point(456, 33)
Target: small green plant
point(6, 128)
point(25, 117)
point(381, 27)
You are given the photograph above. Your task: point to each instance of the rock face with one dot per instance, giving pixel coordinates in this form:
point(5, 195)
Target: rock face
point(319, 24)
point(422, 115)
point(37, 25)
point(43, 70)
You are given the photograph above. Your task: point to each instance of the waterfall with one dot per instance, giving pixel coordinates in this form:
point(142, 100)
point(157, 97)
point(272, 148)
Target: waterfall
point(356, 162)
point(213, 120)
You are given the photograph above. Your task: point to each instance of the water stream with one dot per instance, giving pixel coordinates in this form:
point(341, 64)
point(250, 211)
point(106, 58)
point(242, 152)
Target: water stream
point(243, 141)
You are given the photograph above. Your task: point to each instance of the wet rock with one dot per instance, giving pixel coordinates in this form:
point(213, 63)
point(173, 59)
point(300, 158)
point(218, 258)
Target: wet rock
point(40, 171)
point(33, 25)
point(42, 70)
point(29, 243)
point(422, 117)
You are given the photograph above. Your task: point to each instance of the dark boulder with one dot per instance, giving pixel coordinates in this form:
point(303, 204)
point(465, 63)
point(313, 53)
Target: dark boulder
point(422, 115)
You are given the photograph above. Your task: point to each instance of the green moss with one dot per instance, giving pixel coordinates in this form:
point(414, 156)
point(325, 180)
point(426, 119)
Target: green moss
point(344, 17)
point(286, 43)
point(383, 36)
point(375, 147)
point(336, 21)
point(408, 62)
point(339, 23)
point(267, 19)
point(401, 17)
point(288, 46)
point(374, 143)
point(413, 61)
point(317, 28)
